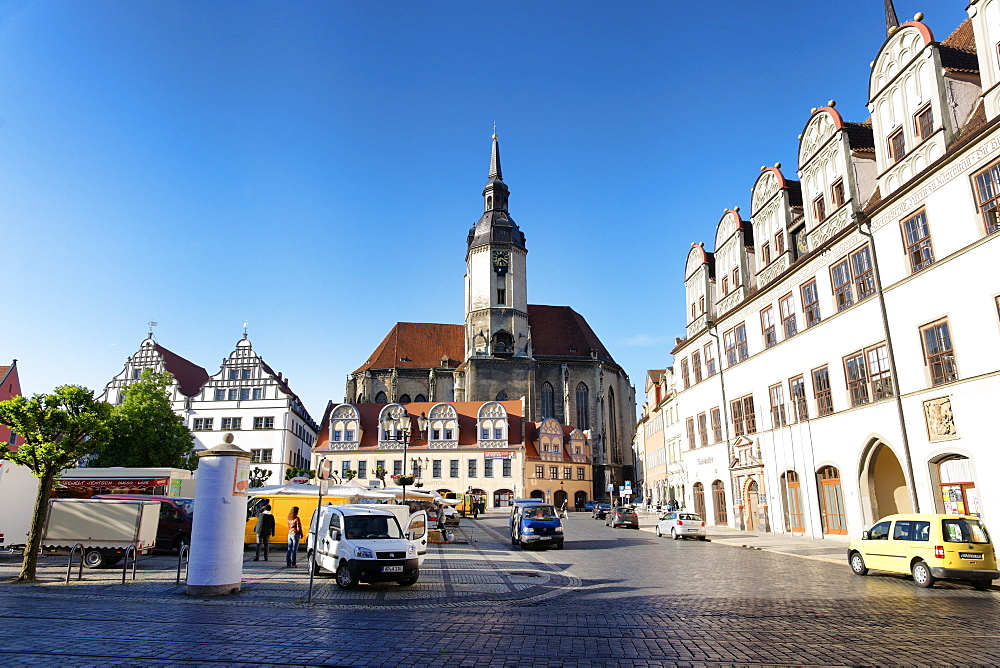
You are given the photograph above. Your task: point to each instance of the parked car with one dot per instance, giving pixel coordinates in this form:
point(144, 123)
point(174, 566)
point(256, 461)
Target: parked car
point(600, 510)
point(588, 507)
point(622, 516)
point(929, 547)
point(366, 543)
point(679, 524)
point(176, 515)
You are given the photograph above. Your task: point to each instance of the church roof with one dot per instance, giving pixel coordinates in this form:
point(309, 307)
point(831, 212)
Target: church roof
point(189, 376)
point(556, 332)
point(559, 331)
point(418, 345)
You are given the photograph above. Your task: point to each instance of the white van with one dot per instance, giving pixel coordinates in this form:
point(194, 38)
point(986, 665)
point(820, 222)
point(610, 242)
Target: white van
point(366, 543)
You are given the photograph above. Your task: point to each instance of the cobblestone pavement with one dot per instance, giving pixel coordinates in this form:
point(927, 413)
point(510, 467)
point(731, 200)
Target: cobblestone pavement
point(612, 597)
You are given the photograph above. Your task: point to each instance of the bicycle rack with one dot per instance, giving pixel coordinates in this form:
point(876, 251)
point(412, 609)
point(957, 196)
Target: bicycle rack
point(69, 566)
point(185, 551)
point(135, 557)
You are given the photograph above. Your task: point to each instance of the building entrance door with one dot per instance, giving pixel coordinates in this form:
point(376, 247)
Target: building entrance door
point(753, 506)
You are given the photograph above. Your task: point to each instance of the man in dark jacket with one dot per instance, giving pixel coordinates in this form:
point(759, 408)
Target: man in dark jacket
point(264, 530)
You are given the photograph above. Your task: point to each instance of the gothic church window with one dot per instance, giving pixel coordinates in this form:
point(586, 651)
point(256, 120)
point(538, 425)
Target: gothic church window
point(502, 395)
point(548, 403)
point(420, 398)
point(405, 399)
point(582, 406)
point(380, 398)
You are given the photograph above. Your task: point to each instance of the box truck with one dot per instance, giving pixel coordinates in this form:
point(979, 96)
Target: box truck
point(18, 489)
point(105, 528)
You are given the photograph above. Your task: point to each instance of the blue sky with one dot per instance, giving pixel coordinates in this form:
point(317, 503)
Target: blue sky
point(314, 167)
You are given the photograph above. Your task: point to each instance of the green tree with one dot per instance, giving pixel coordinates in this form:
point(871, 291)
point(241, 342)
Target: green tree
point(145, 431)
point(58, 429)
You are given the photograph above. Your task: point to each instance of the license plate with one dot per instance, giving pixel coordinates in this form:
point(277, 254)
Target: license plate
point(392, 569)
point(970, 555)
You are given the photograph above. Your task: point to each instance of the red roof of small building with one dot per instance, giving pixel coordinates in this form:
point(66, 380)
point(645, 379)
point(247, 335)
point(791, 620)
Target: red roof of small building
point(468, 416)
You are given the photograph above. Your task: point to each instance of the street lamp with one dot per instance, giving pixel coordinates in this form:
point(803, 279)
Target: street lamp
point(398, 428)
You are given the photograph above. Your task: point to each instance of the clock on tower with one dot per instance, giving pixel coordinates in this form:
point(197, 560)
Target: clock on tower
point(501, 261)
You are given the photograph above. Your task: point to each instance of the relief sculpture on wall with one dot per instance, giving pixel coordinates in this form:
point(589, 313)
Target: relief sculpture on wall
point(940, 420)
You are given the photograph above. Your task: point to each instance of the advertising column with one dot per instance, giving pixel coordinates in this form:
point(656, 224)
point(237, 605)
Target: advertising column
point(220, 514)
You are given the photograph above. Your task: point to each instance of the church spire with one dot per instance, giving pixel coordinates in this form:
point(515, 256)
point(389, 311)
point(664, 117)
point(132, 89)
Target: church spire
point(891, 21)
point(495, 171)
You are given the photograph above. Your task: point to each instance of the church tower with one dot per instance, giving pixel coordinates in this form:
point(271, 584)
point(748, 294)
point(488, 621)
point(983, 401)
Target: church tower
point(496, 290)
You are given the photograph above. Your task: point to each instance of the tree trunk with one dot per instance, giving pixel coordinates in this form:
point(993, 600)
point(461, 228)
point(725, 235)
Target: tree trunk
point(34, 544)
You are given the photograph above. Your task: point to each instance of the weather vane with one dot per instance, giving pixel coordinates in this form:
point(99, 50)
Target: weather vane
point(245, 323)
point(152, 324)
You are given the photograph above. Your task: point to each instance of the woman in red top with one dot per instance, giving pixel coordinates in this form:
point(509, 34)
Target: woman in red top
point(294, 536)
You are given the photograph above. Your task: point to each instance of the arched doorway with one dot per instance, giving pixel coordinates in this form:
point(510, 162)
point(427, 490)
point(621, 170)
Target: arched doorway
point(719, 500)
point(502, 497)
point(956, 481)
point(753, 506)
point(791, 502)
point(559, 498)
point(579, 500)
point(699, 499)
point(537, 494)
point(831, 501)
point(885, 484)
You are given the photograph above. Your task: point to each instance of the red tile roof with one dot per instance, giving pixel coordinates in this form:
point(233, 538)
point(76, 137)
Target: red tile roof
point(418, 345)
point(189, 376)
point(962, 37)
point(559, 331)
point(468, 414)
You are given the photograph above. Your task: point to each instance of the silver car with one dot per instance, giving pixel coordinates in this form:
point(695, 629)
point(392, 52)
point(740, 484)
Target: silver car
point(678, 524)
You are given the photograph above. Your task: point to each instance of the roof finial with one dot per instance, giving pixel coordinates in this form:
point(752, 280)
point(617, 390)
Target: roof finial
point(245, 323)
point(495, 171)
point(891, 21)
point(152, 324)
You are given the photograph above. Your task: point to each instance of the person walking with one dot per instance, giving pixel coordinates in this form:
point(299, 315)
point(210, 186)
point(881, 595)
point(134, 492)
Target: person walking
point(294, 536)
point(565, 509)
point(264, 531)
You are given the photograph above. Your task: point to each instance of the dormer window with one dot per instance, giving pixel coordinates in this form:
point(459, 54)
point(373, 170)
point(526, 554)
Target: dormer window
point(924, 122)
point(819, 208)
point(765, 253)
point(779, 243)
point(701, 304)
point(736, 278)
point(897, 146)
point(725, 285)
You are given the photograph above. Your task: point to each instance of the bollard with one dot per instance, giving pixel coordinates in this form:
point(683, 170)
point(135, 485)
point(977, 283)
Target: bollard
point(215, 565)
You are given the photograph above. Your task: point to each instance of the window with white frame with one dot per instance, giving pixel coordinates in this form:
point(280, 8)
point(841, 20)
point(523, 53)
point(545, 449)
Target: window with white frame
point(917, 237)
point(263, 423)
point(810, 303)
point(231, 423)
point(939, 355)
point(202, 424)
point(787, 306)
point(507, 468)
point(987, 192)
point(767, 327)
point(260, 455)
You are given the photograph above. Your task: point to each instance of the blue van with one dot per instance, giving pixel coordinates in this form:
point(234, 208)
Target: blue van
point(534, 522)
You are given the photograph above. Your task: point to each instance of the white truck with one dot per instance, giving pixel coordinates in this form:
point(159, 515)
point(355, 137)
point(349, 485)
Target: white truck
point(18, 488)
point(367, 543)
point(105, 528)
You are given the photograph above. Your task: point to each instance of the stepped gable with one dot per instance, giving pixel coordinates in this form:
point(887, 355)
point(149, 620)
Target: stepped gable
point(561, 332)
point(189, 376)
point(418, 345)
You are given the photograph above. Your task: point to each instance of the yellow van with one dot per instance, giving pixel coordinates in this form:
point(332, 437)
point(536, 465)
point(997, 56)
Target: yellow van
point(930, 547)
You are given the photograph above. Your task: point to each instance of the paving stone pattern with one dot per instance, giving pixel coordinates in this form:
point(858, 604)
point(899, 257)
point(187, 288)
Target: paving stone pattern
point(612, 597)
